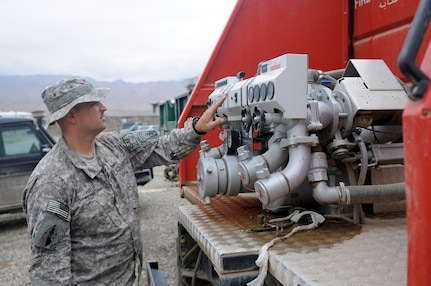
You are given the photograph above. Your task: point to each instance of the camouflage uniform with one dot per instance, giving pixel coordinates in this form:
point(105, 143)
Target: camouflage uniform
point(84, 222)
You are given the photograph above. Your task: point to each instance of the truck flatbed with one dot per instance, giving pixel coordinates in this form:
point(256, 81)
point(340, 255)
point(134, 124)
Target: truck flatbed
point(335, 253)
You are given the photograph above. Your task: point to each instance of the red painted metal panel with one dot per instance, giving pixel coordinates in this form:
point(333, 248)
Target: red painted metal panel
point(374, 17)
point(380, 28)
point(417, 141)
point(261, 30)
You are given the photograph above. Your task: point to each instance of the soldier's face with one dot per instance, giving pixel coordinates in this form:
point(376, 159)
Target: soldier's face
point(92, 116)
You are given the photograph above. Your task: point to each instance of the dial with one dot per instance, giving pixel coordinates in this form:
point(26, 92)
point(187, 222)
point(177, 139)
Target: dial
point(256, 93)
point(270, 90)
point(263, 91)
point(250, 94)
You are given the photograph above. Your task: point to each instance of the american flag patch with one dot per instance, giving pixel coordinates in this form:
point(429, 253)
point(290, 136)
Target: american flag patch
point(59, 209)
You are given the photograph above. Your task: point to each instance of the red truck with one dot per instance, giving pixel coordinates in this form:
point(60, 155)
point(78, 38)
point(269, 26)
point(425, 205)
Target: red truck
point(323, 131)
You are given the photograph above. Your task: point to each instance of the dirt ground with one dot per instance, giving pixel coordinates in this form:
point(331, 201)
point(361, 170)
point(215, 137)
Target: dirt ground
point(159, 200)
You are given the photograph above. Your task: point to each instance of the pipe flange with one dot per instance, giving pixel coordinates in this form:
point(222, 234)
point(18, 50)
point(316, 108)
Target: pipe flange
point(292, 141)
point(344, 195)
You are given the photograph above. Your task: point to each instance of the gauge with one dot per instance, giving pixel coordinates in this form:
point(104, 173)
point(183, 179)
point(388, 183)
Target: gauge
point(250, 94)
point(263, 91)
point(256, 93)
point(270, 91)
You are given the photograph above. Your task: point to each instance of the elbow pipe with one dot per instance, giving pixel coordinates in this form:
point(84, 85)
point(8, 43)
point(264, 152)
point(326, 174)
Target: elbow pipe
point(280, 184)
point(272, 159)
point(325, 195)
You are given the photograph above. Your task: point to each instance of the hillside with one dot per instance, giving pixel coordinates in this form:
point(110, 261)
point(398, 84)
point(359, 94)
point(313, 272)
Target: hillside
point(23, 93)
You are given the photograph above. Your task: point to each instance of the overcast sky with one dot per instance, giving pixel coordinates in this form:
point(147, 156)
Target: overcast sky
point(132, 40)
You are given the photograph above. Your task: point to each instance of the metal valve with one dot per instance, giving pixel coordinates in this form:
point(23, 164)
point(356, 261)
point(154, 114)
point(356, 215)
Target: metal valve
point(258, 119)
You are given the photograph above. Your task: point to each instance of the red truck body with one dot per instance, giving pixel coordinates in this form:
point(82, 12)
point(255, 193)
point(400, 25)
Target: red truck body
point(331, 32)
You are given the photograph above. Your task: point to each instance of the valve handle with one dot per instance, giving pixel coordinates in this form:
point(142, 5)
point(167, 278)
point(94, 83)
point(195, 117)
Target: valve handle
point(246, 119)
point(259, 119)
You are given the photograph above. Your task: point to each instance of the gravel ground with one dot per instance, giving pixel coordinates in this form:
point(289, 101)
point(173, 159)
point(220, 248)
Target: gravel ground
point(159, 201)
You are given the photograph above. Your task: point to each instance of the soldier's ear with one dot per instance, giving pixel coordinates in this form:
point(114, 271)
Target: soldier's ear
point(71, 116)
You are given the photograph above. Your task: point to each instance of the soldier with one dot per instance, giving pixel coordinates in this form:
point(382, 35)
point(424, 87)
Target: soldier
point(81, 201)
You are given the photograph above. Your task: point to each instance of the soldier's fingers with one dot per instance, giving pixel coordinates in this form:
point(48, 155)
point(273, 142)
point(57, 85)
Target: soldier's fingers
point(219, 122)
point(218, 102)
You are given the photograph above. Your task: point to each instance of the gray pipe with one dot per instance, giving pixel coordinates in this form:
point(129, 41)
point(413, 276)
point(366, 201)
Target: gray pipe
point(377, 193)
point(281, 183)
point(349, 195)
point(364, 159)
point(208, 152)
point(273, 158)
point(325, 195)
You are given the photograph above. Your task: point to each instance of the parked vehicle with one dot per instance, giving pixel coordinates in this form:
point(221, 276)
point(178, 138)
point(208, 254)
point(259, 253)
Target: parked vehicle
point(143, 176)
point(23, 143)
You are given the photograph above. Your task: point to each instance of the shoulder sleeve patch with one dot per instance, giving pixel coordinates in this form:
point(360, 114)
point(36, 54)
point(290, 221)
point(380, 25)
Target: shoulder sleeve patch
point(140, 139)
point(50, 229)
point(130, 141)
point(49, 237)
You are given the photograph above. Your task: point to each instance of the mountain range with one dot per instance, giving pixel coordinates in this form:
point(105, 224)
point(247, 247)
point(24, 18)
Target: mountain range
point(23, 93)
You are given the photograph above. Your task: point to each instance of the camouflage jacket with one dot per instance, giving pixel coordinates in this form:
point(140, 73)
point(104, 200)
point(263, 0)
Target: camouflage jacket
point(84, 222)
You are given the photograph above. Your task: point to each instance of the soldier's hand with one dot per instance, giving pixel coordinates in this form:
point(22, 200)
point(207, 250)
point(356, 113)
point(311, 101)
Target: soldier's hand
point(207, 122)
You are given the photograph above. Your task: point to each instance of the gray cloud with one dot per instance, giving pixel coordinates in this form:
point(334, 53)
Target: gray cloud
point(133, 40)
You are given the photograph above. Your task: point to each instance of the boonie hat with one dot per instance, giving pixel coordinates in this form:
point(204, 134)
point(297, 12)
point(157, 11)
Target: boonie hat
point(63, 95)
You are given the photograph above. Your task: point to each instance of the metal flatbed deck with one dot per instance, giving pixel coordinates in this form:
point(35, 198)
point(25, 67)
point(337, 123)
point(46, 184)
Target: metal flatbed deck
point(336, 253)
